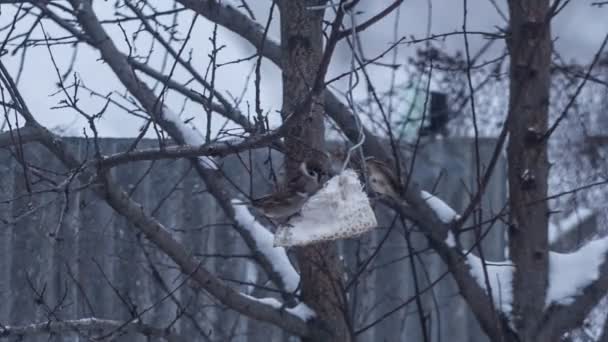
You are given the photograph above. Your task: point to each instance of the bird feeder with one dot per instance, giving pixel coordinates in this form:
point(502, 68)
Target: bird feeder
point(341, 209)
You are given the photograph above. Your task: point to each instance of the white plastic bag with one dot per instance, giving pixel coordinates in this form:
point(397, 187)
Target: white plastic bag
point(341, 209)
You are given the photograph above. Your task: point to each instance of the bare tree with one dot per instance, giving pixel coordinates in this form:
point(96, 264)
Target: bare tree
point(521, 299)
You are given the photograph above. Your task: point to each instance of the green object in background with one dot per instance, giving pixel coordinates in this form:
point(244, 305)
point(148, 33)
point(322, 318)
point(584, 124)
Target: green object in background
point(409, 123)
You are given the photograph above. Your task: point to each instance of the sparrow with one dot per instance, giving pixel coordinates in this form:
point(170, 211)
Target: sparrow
point(382, 178)
point(288, 201)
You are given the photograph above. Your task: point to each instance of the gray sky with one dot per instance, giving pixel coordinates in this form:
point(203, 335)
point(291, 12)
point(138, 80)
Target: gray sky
point(578, 31)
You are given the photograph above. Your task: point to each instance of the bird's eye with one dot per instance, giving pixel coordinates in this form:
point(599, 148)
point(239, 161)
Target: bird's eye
point(315, 172)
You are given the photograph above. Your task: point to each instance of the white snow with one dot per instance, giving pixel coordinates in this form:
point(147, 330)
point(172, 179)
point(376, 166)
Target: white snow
point(500, 277)
point(191, 136)
point(264, 242)
point(301, 310)
point(445, 213)
point(593, 325)
point(569, 223)
point(251, 276)
point(340, 210)
point(506, 251)
point(275, 303)
point(450, 240)
point(570, 273)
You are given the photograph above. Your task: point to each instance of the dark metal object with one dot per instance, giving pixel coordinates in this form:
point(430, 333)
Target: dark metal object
point(439, 114)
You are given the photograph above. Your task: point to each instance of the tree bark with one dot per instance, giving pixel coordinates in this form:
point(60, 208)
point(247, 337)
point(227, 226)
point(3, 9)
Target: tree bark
point(302, 51)
point(530, 46)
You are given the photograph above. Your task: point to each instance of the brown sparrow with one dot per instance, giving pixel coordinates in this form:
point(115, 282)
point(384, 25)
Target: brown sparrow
point(382, 178)
point(288, 201)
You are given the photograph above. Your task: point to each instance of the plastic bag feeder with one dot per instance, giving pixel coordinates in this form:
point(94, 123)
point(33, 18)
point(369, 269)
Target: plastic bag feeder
point(341, 209)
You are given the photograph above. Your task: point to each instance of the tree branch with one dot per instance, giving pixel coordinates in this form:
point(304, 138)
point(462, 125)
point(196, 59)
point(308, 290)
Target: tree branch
point(371, 21)
point(237, 22)
point(26, 135)
point(473, 293)
point(158, 113)
point(215, 149)
point(120, 201)
point(158, 234)
point(233, 20)
point(224, 109)
point(559, 319)
point(87, 325)
point(425, 217)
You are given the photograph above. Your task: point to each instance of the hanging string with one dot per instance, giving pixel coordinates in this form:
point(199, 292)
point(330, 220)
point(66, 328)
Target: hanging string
point(349, 93)
point(352, 85)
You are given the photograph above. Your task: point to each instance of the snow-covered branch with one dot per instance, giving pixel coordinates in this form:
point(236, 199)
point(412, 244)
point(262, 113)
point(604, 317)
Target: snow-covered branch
point(264, 241)
point(470, 280)
point(301, 310)
point(500, 278)
point(169, 121)
point(450, 240)
point(427, 217)
point(569, 224)
point(577, 282)
point(445, 213)
point(471, 283)
point(190, 135)
point(160, 236)
point(123, 204)
point(570, 273)
point(434, 216)
point(93, 327)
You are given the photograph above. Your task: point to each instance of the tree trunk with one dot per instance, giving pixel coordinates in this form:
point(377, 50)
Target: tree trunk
point(530, 46)
point(302, 50)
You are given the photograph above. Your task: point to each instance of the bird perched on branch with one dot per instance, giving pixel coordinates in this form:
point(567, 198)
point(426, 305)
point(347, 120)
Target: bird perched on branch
point(288, 201)
point(382, 179)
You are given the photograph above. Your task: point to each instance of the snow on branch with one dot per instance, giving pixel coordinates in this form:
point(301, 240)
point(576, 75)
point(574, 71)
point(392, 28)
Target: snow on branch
point(301, 310)
point(190, 134)
point(450, 240)
point(88, 326)
point(570, 273)
point(568, 224)
point(595, 322)
point(264, 241)
point(445, 213)
point(500, 277)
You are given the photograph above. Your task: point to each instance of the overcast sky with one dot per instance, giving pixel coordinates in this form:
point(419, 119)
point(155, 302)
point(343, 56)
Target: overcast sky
point(578, 32)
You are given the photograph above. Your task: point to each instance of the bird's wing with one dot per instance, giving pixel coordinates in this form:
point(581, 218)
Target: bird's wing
point(278, 198)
